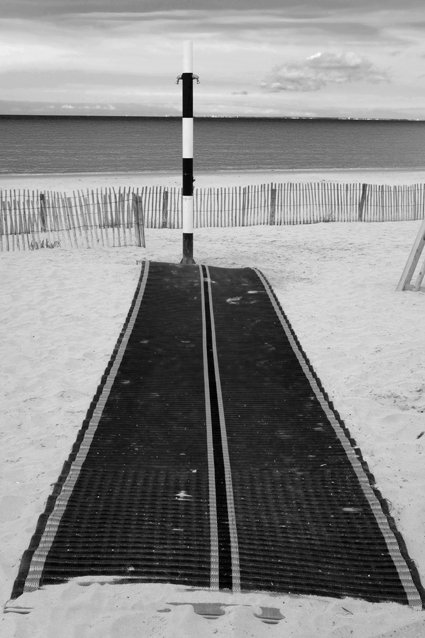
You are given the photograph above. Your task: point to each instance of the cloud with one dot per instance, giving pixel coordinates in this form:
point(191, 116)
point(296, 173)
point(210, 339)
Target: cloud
point(100, 51)
point(320, 69)
point(84, 107)
point(46, 8)
point(255, 24)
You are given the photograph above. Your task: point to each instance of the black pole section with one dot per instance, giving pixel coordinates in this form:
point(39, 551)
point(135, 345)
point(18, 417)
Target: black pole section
point(187, 105)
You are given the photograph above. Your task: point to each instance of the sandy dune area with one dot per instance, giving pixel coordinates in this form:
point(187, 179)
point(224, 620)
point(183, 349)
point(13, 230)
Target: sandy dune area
point(61, 314)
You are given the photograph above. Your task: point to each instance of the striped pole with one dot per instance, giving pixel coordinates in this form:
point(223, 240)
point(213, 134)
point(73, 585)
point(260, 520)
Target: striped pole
point(187, 134)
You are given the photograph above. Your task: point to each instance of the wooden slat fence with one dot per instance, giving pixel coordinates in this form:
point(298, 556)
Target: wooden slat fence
point(30, 220)
point(111, 217)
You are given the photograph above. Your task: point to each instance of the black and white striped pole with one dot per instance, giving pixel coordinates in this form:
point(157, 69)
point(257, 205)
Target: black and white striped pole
point(187, 78)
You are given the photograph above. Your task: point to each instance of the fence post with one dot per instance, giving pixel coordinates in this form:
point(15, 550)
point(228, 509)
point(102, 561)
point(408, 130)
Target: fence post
point(70, 218)
point(244, 222)
point(362, 201)
point(164, 223)
point(43, 211)
point(139, 220)
point(273, 205)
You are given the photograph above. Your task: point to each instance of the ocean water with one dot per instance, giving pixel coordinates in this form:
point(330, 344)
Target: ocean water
point(107, 144)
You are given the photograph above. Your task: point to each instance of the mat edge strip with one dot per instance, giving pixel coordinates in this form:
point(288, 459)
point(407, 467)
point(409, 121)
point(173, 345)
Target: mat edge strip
point(412, 593)
point(214, 558)
point(234, 545)
point(32, 581)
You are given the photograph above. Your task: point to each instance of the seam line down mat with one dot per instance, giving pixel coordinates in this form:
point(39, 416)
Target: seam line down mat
point(211, 457)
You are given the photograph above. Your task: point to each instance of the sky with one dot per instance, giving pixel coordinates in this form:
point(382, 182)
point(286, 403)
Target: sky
point(267, 58)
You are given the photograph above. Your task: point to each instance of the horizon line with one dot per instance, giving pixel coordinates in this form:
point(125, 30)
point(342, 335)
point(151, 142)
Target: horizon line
point(210, 117)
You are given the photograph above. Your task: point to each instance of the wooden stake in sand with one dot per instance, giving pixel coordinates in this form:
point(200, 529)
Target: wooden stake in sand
point(187, 133)
point(412, 262)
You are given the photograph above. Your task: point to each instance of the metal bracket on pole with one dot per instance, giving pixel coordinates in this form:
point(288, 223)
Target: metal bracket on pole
point(194, 77)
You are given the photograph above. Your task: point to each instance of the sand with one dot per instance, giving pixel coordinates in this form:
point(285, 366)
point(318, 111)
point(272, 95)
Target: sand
point(61, 314)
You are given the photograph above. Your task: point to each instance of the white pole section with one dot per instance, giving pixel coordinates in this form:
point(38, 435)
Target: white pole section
point(188, 56)
point(187, 136)
point(187, 215)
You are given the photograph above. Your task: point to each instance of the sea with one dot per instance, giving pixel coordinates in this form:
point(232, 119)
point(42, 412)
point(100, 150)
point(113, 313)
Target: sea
point(43, 144)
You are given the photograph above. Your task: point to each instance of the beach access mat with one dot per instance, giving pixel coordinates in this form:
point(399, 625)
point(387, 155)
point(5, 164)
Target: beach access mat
point(211, 457)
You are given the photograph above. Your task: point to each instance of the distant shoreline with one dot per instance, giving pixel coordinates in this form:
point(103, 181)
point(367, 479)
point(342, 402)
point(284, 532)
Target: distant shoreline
point(66, 182)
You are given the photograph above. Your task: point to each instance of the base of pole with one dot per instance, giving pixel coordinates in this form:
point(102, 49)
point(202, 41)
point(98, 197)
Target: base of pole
point(187, 249)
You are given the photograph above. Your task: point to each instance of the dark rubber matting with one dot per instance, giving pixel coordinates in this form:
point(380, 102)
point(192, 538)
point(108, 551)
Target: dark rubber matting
point(211, 457)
